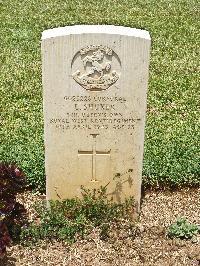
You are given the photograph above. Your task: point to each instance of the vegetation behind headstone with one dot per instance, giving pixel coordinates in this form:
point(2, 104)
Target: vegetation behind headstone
point(172, 130)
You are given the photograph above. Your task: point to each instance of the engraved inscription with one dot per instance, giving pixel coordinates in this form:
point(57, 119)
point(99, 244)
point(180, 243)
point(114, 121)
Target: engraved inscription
point(94, 153)
point(95, 113)
point(97, 73)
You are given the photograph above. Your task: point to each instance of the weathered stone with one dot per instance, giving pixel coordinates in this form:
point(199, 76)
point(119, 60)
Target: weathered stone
point(95, 84)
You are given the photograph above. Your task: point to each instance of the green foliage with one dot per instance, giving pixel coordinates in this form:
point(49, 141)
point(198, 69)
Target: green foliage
point(72, 218)
point(182, 229)
point(172, 129)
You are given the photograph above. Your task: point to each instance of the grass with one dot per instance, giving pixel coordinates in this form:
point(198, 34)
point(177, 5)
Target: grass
point(172, 129)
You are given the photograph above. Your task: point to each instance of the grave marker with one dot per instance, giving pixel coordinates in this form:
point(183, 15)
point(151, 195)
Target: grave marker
point(95, 84)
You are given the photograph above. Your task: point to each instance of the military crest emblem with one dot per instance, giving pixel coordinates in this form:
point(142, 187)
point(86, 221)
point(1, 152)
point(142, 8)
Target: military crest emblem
point(97, 73)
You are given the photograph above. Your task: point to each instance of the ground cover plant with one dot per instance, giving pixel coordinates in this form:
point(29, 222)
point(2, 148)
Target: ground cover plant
point(12, 181)
point(172, 135)
point(183, 229)
point(74, 219)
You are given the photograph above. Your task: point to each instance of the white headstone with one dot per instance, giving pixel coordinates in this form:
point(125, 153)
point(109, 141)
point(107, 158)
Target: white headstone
point(95, 84)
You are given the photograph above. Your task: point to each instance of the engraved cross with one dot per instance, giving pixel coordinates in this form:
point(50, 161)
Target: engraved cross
point(94, 154)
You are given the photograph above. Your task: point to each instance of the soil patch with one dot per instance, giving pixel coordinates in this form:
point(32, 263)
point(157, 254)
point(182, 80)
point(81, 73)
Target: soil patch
point(149, 247)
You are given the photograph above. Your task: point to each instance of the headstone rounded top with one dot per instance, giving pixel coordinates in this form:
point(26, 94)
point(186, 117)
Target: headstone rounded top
point(99, 29)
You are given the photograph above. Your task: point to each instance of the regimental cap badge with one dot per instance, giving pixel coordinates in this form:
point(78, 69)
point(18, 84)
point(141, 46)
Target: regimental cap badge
point(97, 73)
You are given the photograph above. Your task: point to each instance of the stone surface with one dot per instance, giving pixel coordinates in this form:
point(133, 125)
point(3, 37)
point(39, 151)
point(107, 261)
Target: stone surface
point(95, 85)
